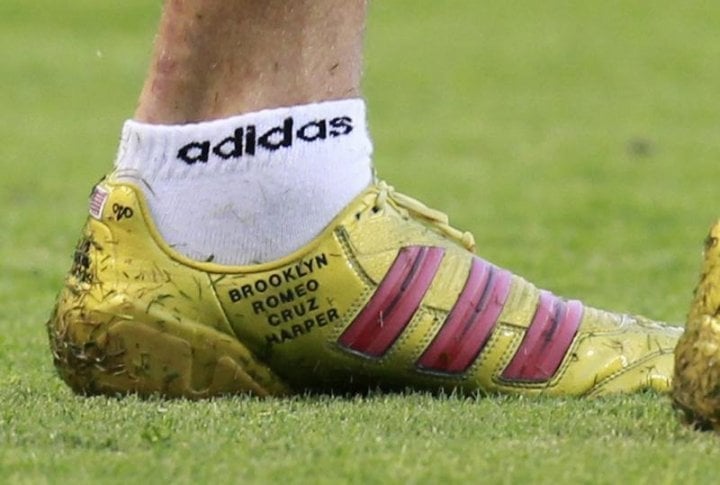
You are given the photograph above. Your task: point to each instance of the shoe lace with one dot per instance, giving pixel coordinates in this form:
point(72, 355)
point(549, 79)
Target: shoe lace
point(409, 206)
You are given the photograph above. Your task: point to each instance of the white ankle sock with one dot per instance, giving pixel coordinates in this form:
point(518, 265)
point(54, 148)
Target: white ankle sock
point(250, 188)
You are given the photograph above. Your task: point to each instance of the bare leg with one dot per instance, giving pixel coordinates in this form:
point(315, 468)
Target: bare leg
point(217, 58)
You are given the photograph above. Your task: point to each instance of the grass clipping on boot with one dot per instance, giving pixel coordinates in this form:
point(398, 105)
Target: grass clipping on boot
point(696, 386)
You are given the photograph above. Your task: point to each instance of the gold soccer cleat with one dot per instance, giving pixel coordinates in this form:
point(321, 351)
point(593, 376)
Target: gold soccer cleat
point(696, 390)
point(389, 296)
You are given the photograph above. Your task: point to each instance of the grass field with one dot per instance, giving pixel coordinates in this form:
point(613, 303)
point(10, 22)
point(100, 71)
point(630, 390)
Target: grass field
point(577, 140)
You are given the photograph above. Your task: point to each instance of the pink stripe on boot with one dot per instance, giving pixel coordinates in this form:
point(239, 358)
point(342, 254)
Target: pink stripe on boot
point(394, 303)
point(472, 319)
point(546, 341)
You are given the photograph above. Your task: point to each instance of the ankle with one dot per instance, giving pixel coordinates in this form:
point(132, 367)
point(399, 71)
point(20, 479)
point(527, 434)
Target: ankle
point(250, 188)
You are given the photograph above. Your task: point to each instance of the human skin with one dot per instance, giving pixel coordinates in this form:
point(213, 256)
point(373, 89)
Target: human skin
point(218, 58)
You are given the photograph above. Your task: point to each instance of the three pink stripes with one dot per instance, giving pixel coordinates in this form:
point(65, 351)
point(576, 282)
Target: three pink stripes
point(470, 323)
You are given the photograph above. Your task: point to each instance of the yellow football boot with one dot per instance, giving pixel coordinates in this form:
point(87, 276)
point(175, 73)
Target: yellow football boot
point(696, 388)
point(388, 295)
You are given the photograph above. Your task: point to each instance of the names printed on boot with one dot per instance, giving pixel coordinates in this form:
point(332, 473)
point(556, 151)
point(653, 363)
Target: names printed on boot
point(288, 301)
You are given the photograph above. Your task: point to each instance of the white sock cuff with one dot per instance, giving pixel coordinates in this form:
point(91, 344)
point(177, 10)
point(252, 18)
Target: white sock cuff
point(264, 138)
